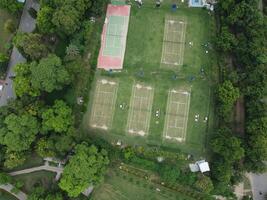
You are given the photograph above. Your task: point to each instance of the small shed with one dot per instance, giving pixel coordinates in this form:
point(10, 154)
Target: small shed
point(201, 166)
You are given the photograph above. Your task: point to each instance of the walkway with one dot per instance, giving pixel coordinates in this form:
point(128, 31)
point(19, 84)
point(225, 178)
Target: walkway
point(27, 24)
point(8, 187)
point(45, 167)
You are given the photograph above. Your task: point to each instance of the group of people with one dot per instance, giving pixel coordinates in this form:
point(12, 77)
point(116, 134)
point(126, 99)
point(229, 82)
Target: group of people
point(140, 3)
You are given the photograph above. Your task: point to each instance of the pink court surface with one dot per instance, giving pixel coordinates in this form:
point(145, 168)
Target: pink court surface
point(113, 38)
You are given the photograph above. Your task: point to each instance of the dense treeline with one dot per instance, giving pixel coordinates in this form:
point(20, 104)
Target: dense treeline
point(42, 118)
point(241, 41)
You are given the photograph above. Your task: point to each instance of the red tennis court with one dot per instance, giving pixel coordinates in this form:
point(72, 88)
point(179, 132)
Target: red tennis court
point(113, 38)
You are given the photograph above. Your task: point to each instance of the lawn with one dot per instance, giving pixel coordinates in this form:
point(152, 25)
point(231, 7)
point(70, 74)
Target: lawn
point(42, 178)
point(6, 196)
point(121, 186)
point(142, 65)
point(4, 36)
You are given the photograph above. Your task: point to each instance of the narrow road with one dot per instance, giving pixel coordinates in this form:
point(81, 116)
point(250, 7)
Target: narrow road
point(8, 187)
point(27, 24)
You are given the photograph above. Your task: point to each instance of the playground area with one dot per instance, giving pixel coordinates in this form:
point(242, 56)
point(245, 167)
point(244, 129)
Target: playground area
point(155, 103)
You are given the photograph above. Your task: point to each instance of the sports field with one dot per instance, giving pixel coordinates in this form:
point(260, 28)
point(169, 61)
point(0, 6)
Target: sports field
point(113, 39)
point(140, 110)
point(173, 42)
point(103, 104)
point(122, 186)
point(146, 109)
point(176, 115)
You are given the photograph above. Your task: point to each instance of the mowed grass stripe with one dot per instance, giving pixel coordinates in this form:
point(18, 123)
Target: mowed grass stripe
point(177, 114)
point(140, 110)
point(104, 104)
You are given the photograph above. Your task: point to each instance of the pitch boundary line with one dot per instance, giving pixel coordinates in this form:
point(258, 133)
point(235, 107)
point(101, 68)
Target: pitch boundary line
point(140, 111)
point(109, 119)
point(182, 46)
point(167, 117)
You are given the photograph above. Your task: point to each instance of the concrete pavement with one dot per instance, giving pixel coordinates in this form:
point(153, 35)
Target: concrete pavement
point(27, 24)
point(258, 185)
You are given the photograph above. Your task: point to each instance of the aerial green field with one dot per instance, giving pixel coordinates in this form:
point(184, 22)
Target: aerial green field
point(5, 196)
point(4, 36)
point(42, 178)
point(142, 66)
point(122, 186)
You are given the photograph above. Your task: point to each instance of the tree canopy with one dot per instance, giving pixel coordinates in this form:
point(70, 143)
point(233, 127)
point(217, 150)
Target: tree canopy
point(227, 95)
point(49, 74)
point(57, 118)
point(12, 6)
point(20, 131)
point(31, 45)
point(85, 168)
point(227, 145)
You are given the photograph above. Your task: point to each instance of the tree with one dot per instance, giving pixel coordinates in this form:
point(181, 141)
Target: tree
point(204, 184)
point(68, 14)
point(22, 81)
point(72, 52)
point(222, 171)
point(85, 168)
point(10, 26)
point(12, 6)
point(31, 45)
point(57, 118)
point(20, 131)
point(49, 74)
point(40, 194)
point(67, 19)
point(14, 159)
point(227, 95)
point(45, 148)
point(4, 178)
point(227, 145)
point(3, 58)
point(44, 20)
point(226, 41)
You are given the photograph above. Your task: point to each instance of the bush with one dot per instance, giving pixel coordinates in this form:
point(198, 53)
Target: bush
point(10, 26)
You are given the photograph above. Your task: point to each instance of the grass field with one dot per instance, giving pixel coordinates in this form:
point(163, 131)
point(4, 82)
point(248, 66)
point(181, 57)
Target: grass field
point(42, 178)
point(122, 186)
point(4, 36)
point(6, 196)
point(142, 65)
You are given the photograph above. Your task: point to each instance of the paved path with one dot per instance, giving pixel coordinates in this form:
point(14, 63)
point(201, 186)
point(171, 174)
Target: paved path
point(8, 187)
point(258, 184)
point(46, 167)
point(27, 24)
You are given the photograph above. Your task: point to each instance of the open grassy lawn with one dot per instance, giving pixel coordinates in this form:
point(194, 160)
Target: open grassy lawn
point(121, 186)
point(6, 196)
point(4, 36)
point(42, 178)
point(142, 64)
